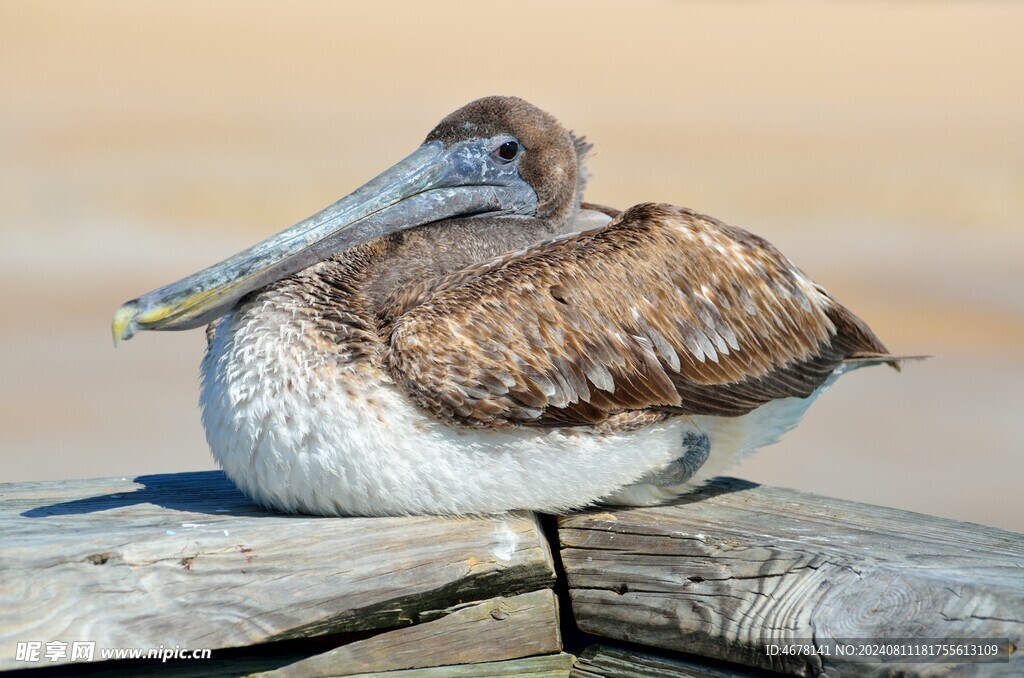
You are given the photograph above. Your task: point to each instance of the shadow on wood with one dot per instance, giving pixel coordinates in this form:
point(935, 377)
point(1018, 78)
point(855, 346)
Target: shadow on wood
point(195, 492)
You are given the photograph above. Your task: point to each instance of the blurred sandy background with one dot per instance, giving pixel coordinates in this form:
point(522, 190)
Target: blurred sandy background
point(879, 144)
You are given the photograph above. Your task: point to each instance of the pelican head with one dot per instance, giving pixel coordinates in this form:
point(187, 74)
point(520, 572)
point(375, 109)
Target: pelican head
point(498, 156)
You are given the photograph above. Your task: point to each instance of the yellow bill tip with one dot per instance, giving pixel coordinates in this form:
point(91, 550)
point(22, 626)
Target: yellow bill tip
point(122, 326)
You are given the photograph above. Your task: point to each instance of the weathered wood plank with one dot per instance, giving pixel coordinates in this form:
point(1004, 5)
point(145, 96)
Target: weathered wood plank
point(741, 566)
point(186, 560)
point(548, 666)
point(493, 630)
point(606, 661)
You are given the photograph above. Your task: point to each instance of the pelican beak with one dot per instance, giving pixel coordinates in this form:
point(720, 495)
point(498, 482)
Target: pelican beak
point(435, 182)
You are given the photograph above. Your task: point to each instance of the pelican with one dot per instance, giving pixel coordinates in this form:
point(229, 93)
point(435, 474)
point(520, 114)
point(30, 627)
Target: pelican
point(464, 335)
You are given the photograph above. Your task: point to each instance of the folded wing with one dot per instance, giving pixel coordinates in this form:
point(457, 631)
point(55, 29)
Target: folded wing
point(663, 309)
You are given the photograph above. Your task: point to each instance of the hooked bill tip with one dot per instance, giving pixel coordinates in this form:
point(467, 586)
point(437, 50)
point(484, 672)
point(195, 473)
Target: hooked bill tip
point(123, 326)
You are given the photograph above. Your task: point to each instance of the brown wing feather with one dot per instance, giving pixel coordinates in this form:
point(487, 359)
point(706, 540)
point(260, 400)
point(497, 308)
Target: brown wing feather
point(663, 309)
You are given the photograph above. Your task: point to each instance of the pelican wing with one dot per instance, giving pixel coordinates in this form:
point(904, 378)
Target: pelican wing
point(663, 309)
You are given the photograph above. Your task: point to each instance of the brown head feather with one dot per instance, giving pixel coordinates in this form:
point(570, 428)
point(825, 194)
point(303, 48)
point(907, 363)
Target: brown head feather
point(550, 152)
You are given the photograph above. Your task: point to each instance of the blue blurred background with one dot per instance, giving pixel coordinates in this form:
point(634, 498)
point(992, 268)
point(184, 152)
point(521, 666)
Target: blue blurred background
point(879, 144)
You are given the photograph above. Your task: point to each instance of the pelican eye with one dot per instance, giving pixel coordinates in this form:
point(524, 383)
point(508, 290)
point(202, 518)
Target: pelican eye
point(508, 150)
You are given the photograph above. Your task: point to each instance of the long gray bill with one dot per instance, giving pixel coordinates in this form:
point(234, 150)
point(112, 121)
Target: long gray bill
point(431, 184)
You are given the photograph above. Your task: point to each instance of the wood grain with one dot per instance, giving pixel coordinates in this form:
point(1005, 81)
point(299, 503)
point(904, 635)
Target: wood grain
point(605, 661)
point(488, 631)
point(547, 666)
point(740, 566)
point(186, 560)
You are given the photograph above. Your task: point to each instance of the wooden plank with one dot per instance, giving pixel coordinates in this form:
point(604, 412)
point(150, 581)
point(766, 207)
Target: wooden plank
point(489, 631)
point(185, 559)
point(548, 666)
point(606, 661)
point(740, 566)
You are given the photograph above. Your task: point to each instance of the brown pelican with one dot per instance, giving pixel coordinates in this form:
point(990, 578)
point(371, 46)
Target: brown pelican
point(446, 340)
